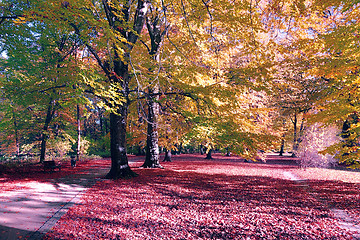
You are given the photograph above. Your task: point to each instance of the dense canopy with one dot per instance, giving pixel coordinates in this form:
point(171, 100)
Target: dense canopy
point(114, 77)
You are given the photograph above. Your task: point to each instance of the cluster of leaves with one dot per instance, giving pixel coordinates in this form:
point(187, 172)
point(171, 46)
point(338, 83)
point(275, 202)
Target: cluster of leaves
point(237, 73)
point(180, 201)
point(38, 81)
point(337, 62)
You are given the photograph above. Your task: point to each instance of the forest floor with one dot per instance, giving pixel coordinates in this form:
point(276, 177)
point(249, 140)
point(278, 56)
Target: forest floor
point(194, 198)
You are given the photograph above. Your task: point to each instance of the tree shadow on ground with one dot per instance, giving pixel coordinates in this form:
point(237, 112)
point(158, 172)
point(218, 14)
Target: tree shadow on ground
point(187, 205)
point(8, 233)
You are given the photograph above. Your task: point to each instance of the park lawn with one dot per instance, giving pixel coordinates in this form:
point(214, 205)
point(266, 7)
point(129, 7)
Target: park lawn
point(224, 198)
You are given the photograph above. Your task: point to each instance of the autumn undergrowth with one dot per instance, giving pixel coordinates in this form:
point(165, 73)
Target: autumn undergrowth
point(193, 198)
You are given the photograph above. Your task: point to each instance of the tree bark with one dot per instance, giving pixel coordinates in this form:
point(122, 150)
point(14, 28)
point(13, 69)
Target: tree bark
point(78, 133)
point(167, 157)
point(201, 149)
point(44, 136)
point(228, 153)
point(140, 151)
point(208, 154)
point(153, 24)
point(118, 120)
point(17, 142)
point(180, 149)
point(152, 145)
point(119, 162)
point(295, 135)
point(282, 147)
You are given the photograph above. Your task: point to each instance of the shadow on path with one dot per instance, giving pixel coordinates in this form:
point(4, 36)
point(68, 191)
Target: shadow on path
point(31, 211)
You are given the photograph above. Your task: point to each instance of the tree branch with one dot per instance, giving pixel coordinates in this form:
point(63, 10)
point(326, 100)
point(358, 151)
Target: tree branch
point(187, 23)
point(50, 88)
point(10, 17)
point(93, 52)
point(3, 18)
point(107, 12)
point(139, 20)
point(144, 43)
point(74, 47)
point(172, 43)
point(211, 19)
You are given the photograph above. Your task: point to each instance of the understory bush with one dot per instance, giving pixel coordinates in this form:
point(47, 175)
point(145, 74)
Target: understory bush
point(100, 147)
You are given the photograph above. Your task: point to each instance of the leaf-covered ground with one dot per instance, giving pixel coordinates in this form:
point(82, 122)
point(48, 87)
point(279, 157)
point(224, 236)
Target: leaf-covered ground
point(19, 175)
point(194, 198)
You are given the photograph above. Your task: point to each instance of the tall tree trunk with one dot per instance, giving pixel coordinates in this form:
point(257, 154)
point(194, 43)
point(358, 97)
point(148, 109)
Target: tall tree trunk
point(152, 145)
point(102, 123)
point(180, 148)
point(300, 132)
point(45, 135)
point(156, 34)
point(85, 129)
point(208, 153)
point(228, 153)
point(118, 122)
point(201, 148)
point(119, 162)
point(295, 134)
point(120, 75)
point(167, 157)
point(17, 142)
point(78, 133)
point(106, 126)
point(282, 146)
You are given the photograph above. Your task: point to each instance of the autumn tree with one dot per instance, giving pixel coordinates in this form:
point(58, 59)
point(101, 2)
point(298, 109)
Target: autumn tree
point(156, 29)
point(115, 26)
point(293, 98)
point(339, 65)
point(213, 65)
point(126, 26)
point(292, 30)
point(40, 60)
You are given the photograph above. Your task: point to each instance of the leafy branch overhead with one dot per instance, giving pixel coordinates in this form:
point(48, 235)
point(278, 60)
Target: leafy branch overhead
point(245, 76)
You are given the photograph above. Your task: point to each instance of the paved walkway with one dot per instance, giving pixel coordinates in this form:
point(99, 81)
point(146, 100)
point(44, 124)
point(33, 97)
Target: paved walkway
point(30, 212)
point(344, 220)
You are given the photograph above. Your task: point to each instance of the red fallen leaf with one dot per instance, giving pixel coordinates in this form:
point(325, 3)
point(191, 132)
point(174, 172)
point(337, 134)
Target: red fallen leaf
point(195, 199)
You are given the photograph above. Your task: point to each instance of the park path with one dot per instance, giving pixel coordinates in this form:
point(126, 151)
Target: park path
point(345, 221)
point(32, 210)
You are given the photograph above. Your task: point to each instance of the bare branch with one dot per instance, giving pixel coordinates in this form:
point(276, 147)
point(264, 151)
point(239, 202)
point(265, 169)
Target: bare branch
point(10, 17)
point(144, 43)
point(211, 19)
point(187, 23)
point(172, 43)
point(74, 47)
point(107, 12)
point(92, 50)
point(48, 89)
